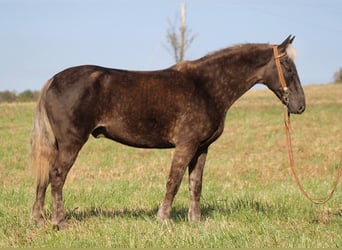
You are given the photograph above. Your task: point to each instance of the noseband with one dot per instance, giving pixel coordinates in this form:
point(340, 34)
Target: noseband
point(277, 57)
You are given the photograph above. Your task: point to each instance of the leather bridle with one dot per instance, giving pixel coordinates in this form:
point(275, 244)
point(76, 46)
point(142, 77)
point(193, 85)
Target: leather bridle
point(277, 56)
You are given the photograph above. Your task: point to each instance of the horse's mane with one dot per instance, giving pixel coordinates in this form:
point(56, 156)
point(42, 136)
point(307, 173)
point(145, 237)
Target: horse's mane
point(239, 49)
point(235, 49)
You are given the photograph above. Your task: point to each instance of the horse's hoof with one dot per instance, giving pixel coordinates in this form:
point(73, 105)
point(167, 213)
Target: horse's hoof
point(194, 220)
point(37, 220)
point(162, 216)
point(164, 221)
point(60, 226)
point(194, 217)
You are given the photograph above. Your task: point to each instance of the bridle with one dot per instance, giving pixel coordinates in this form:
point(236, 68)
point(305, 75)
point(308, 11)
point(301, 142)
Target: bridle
point(287, 123)
point(277, 57)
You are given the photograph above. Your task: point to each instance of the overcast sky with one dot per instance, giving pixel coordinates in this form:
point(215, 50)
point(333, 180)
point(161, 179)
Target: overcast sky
point(39, 38)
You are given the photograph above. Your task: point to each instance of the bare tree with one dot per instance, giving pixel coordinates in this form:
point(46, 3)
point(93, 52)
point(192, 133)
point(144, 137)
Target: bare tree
point(180, 41)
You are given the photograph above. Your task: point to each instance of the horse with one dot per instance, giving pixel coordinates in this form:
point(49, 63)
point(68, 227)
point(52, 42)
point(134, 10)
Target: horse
point(182, 107)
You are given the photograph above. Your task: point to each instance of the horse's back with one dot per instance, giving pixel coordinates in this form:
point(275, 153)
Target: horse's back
point(80, 78)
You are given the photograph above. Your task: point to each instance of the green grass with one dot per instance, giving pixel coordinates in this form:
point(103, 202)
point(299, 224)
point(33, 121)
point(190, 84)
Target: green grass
point(249, 197)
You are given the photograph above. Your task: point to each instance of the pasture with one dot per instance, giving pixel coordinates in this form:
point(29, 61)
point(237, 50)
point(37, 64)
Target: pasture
point(249, 196)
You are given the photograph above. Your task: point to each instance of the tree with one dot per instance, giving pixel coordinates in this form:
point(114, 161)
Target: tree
point(179, 41)
point(7, 96)
point(25, 96)
point(338, 76)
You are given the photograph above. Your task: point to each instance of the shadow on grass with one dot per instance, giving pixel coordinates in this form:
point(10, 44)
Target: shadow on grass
point(229, 207)
point(83, 214)
point(222, 207)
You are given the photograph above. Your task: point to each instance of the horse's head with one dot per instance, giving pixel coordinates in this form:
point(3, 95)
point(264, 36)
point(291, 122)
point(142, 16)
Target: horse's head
point(283, 78)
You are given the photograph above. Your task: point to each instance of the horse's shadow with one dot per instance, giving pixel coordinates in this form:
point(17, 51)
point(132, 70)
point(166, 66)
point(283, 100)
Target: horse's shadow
point(222, 207)
point(83, 214)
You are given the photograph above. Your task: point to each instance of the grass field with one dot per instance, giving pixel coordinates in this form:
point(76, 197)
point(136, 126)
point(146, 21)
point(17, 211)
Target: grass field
point(249, 196)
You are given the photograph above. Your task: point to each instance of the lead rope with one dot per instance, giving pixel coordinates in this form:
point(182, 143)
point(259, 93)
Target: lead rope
point(287, 122)
point(322, 200)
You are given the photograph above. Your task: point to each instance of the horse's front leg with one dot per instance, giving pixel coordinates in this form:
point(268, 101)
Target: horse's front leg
point(182, 156)
point(195, 184)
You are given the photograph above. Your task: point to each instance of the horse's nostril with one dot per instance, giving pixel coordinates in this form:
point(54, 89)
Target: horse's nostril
point(301, 109)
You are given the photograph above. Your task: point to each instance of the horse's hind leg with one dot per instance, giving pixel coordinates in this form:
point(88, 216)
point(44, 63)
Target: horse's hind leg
point(37, 214)
point(65, 159)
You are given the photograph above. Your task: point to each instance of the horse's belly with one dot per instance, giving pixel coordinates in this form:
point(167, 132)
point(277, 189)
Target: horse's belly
point(137, 135)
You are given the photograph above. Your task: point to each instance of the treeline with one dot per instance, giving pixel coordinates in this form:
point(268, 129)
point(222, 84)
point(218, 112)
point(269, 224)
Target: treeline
point(12, 96)
point(338, 76)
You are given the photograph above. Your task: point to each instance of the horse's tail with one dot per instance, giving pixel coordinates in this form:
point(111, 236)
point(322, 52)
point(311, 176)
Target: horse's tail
point(43, 141)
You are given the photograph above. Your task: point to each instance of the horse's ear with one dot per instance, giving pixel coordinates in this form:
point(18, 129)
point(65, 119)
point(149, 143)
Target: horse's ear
point(287, 42)
point(292, 38)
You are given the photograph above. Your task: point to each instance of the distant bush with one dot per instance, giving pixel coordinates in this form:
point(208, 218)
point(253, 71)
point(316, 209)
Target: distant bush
point(338, 76)
point(25, 96)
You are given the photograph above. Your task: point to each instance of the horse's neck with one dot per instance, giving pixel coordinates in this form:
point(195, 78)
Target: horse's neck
point(227, 83)
point(227, 74)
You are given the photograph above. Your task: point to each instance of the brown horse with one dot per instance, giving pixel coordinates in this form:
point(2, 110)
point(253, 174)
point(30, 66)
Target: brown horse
point(183, 106)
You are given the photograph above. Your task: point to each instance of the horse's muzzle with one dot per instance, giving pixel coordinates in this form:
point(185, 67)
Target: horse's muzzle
point(296, 110)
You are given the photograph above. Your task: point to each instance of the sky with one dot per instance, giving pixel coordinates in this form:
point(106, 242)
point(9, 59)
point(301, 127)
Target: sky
point(39, 38)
